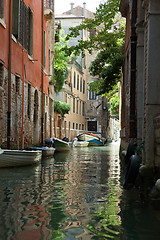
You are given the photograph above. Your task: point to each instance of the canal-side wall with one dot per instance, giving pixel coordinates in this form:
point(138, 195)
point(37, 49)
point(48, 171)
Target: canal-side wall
point(32, 113)
point(29, 65)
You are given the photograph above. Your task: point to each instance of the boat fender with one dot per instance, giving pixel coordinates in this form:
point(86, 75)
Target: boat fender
point(131, 149)
point(131, 172)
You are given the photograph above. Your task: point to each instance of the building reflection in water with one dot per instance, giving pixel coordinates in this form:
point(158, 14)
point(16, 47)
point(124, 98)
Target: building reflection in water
point(67, 197)
point(25, 197)
point(23, 215)
point(88, 190)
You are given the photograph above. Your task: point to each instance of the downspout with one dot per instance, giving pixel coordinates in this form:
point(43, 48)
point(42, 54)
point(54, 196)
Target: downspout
point(9, 76)
point(133, 38)
point(42, 76)
point(22, 129)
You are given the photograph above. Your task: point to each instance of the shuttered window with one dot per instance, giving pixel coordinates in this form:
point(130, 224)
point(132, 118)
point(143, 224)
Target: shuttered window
point(81, 84)
point(74, 85)
point(2, 9)
point(22, 24)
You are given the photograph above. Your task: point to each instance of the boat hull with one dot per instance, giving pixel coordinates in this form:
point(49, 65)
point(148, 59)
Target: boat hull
point(61, 145)
point(80, 144)
point(94, 140)
point(46, 151)
point(15, 158)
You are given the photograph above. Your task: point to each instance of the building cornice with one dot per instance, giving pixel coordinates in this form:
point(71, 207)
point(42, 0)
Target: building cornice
point(123, 7)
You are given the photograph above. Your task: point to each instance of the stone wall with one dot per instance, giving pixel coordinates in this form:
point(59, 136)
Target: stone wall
point(32, 113)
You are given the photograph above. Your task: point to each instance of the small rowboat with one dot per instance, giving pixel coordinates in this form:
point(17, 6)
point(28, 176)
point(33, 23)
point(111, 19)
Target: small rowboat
point(14, 158)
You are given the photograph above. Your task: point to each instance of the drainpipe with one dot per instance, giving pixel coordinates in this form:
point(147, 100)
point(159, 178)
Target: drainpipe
point(42, 76)
point(22, 134)
point(133, 38)
point(9, 76)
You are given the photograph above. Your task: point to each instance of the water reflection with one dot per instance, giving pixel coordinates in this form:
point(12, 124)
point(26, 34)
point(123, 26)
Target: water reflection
point(75, 195)
point(105, 221)
point(23, 215)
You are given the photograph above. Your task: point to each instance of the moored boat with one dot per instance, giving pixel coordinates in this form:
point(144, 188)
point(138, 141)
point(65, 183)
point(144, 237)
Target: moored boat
point(46, 151)
point(61, 145)
point(14, 158)
point(93, 139)
point(76, 143)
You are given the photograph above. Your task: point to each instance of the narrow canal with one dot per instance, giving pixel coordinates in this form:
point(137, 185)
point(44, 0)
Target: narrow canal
point(75, 195)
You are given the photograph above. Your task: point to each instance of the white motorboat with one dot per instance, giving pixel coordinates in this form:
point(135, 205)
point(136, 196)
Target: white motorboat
point(76, 143)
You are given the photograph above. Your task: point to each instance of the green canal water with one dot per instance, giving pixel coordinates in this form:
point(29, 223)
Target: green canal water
point(75, 195)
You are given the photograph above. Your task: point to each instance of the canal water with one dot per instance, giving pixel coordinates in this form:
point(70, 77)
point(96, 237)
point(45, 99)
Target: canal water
point(75, 195)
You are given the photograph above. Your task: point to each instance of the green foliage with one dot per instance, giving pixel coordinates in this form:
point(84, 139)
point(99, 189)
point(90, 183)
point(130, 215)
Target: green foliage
point(108, 41)
point(60, 64)
point(61, 107)
point(113, 97)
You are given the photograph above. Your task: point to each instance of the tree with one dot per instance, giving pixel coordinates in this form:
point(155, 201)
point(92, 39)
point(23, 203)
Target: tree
point(113, 98)
point(61, 107)
point(60, 64)
point(108, 41)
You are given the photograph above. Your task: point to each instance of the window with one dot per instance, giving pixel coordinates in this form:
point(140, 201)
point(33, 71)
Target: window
point(74, 80)
point(84, 63)
point(76, 125)
point(66, 97)
point(73, 125)
point(1, 74)
point(92, 95)
point(82, 126)
point(83, 109)
point(59, 122)
point(17, 83)
point(30, 32)
point(80, 107)
point(65, 127)
point(81, 84)
point(49, 56)
point(15, 17)
point(21, 28)
point(73, 105)
point(77, 82)
point(47, 100)
point(77, 106)
point(2, 9)
point(29, 101)
point(79, 126)
point(44, 50)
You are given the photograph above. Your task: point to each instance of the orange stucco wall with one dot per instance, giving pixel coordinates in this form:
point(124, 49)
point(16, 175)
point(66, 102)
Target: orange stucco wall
point(32, 68)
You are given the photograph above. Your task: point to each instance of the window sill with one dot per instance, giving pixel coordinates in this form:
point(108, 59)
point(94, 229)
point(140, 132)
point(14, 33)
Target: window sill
point(2, 22)
point(14, 39)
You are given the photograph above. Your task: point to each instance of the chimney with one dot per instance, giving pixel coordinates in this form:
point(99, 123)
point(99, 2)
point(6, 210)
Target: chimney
point(84, 9)
point(72, 7)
